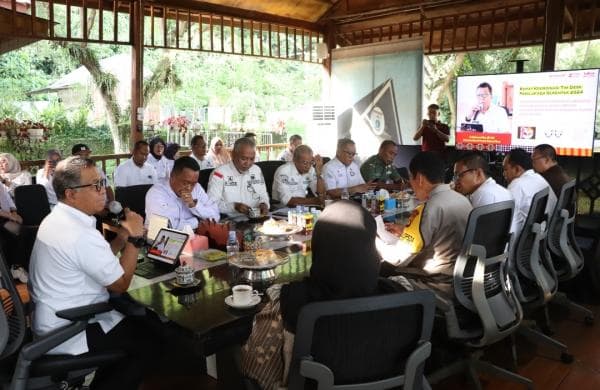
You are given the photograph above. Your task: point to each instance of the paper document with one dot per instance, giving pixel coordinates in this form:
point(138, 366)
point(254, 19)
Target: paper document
point(383, 234)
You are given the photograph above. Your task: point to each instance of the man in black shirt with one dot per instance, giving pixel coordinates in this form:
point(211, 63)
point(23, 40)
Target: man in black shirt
point(544, 162)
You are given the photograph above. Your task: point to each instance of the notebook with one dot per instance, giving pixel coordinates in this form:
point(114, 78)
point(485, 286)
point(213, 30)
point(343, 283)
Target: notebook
point(163, 254)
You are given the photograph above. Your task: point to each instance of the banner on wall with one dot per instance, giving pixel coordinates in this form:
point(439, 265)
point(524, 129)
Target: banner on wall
point(376, 90)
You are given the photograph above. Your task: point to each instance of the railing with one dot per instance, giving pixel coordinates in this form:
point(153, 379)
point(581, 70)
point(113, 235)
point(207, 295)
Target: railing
point(108, 162)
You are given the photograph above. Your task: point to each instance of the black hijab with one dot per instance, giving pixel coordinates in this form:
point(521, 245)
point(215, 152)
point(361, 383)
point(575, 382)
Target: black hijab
point(153, 142)
point(345, 262)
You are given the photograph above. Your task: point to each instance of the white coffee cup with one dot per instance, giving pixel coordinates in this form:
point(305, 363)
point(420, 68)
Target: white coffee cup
point(242, 294)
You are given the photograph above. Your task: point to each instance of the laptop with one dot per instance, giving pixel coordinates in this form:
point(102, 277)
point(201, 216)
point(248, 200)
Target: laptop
point(163, 255)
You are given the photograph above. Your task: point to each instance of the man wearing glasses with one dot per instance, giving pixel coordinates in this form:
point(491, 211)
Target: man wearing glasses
point(239, 186)
point(298, 182)
point(493, 117)
point(544, 162)
point(472, 179)
point(72, 265)
point(342, 173)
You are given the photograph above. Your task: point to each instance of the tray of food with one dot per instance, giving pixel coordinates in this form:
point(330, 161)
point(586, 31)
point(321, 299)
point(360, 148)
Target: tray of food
point(259, 259)
point(278, 228)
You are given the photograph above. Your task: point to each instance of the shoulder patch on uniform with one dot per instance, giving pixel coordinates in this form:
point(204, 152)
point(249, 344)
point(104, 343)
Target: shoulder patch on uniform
point(218, 174)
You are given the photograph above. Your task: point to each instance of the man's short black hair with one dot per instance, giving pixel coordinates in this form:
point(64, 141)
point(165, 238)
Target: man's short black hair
point(520, 157)
point(433, 106)
point(185, 162)
point(139, 144)
point(546, 150)
point(249, 134)
point(428, 164)
point(387, 143)
point(485, 85)
point(475, 160)
point(196, 139)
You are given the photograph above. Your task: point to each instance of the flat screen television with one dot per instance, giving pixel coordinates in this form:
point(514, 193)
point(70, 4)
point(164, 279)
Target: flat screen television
point(505, 111)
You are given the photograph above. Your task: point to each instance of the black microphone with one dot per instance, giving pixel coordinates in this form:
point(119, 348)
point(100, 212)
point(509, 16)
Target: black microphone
point(117, 212)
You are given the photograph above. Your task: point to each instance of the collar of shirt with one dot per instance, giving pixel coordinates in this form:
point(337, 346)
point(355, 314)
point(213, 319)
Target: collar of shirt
point(82, 217)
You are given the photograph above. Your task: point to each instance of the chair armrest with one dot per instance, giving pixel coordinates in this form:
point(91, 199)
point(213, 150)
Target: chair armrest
point(84, 313)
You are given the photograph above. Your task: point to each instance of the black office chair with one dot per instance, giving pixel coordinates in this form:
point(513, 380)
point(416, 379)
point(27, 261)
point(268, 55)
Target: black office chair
point(32, 203)
point(532, 274)
point(364, 343)
point(34, 369)
point(204, 177)
point(485, 309)
point(566, 254)
point(133, 197)
point(268, 169)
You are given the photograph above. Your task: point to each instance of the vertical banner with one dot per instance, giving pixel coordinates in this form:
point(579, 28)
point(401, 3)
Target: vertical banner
point(377, 92)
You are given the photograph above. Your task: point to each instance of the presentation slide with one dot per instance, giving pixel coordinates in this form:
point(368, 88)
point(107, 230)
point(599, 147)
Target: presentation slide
point(500, 112)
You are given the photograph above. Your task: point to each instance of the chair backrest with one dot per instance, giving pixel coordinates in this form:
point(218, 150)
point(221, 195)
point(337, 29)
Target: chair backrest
point(12, 309)
point(566, 254)
point(32, 203)
point(530, 266)
point(133, 197)
point(268, 169)
point(480, 283)
point(204, 176)
point(367, 342)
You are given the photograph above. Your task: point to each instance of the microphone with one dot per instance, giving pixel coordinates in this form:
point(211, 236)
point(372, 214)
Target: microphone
point(116, 209)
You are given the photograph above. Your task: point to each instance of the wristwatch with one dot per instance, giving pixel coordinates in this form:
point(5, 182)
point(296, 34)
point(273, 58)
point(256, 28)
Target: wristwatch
point(138, 242)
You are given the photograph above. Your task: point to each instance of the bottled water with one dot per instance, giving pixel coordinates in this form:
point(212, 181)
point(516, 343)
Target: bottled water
point(345, 194)
point(233, 247)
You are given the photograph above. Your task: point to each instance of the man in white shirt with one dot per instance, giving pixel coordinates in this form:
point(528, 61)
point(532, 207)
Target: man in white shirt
point(44, 176)
point(472, 178)
point(72, 265)
point(524, 183)
point(493, 117)
point(199, 152)
point(136, 170)
point(288, 153)
point(252, 136)
point(239, 185)
point(298, 182)
point(181, 198)
point(342, 172)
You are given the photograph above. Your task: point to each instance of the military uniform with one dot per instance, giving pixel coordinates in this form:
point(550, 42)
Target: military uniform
point(376, 169)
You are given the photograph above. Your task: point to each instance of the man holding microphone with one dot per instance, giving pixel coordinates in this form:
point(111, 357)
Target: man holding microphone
point(435, 133)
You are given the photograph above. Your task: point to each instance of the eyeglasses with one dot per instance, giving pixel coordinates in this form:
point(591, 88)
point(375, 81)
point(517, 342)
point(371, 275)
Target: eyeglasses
point(457, 176)
point(483, 95)
point(99, 185)
point(351, 154)
point(307, 163)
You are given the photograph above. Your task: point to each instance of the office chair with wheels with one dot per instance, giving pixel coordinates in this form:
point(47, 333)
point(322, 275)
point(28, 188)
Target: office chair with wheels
point(374, 342)
point(34, 369)
point(566, 255)
point(484, 310)
point(532, 274)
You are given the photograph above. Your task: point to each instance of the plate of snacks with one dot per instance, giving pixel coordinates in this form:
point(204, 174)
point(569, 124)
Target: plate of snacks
point(259, 259)
point(211, 255)
point(275, 228)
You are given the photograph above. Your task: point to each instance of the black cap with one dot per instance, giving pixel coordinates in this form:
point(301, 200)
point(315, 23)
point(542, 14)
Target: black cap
point(80, 148)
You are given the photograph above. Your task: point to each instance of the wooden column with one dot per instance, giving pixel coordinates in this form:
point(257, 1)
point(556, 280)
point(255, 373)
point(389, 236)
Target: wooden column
point(553, 22)
point(137, 66)
point(329, 34)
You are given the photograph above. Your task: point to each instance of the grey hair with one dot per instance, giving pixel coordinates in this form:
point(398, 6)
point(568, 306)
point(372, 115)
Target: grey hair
point(68, 174)
point(237, 146)
point(300, 150)
point(343, 142)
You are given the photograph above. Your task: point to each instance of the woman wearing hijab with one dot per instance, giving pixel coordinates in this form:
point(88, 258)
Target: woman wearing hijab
point(217, 153)
point(345, 264)
point(157, 160)
point(171, 154)
point(11, 174)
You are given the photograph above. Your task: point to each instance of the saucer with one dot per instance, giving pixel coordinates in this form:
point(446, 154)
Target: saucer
point(193, 284)
point(255, 300)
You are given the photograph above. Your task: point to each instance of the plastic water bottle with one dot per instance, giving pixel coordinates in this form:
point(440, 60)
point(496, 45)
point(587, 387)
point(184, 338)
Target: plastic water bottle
point(233, 247)
point(345, 194)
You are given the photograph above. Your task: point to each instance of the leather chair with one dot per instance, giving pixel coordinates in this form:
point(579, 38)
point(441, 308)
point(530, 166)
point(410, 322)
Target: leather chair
point(133, 197)
point(204, 177)
point(364, 343)
point(32, 203)
point(33, 368)
point(484, 309)
point(268, 169)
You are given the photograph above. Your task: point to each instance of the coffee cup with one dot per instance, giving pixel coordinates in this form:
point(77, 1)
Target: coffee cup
point(242, 294)
point(184, 274)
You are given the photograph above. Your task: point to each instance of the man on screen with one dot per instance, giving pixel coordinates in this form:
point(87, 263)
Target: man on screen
point(492, 117)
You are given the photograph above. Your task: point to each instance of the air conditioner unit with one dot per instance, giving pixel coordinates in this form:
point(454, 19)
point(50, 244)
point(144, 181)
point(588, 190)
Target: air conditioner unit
point(321, 134)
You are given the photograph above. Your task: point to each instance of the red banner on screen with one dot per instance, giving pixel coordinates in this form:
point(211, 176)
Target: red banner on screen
point(481, 141)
